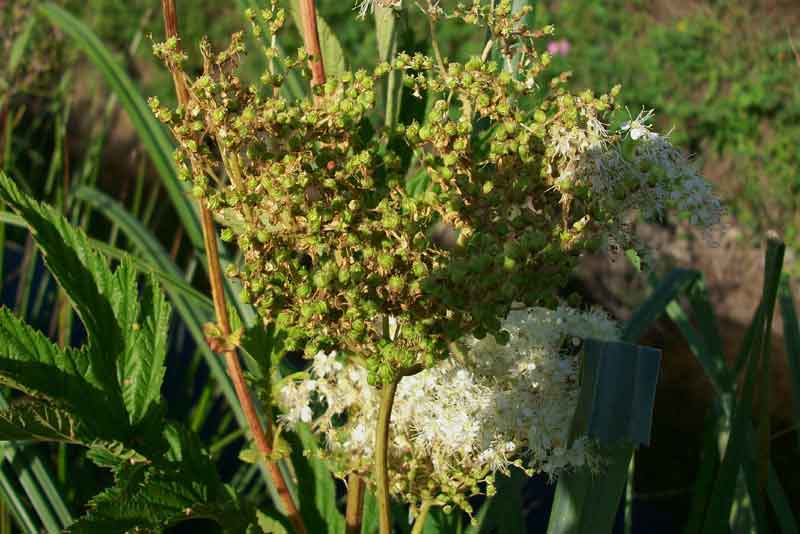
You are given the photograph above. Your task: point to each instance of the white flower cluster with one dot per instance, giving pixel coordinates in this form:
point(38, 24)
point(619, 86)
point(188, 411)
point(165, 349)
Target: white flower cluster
point(455, 425)
point(648, 175)
point(633, 173)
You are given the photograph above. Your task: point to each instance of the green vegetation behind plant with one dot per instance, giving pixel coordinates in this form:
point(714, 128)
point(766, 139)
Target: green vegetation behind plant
point(723, 74)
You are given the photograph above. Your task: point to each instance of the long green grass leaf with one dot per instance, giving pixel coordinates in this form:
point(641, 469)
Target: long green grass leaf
point(615, 406)
point(791, 337)
point(722, 496)
point(780, 504)
point(19, 46)
point(20, 460)
point(676, 282)
point(14, 500)
point(772, 276)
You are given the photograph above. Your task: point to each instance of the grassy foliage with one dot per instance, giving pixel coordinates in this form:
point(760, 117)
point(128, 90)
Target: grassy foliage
point(723, 74)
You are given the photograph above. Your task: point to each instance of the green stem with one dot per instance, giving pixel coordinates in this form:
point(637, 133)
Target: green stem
point(382, 448)
point(419, 522)
point(381, 457)
point(435, 44)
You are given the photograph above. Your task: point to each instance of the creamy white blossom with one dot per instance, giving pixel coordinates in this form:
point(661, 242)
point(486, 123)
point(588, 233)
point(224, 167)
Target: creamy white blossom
point(455, 425)
point(634, 173)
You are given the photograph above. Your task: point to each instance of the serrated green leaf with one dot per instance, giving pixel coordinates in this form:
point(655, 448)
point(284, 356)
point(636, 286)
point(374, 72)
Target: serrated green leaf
point(127, 331)
point(142, 365)
point(182, 485)
point(179, 484)
point(144, 497)
point(332, 52)
point(33, 364)
point(265, 346)
point(114, 455)
point(40, 421)
point(74, 264)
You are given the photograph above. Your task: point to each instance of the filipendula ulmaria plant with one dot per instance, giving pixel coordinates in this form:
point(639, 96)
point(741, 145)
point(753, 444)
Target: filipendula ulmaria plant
point(527, 178)
point(344, 252)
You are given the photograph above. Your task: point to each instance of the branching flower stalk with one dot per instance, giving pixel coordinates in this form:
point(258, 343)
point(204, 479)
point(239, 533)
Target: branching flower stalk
point(419, 522)
point(218, 296)
point(388, 392)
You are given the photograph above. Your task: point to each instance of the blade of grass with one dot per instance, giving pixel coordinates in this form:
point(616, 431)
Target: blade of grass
point(20, 462)
point(675, 283)
point(629, 496)
point(14, 501)
point(791, 337)
point(722, 495)
point(705, 343)
point(19, 45)
point(780, 504)
point(25, 280)
point(710, 459)
point(741, 430)
point(772, 276)
point(615, 405)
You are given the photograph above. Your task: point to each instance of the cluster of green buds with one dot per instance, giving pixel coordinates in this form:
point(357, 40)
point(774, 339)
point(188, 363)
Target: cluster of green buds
point(336, 246)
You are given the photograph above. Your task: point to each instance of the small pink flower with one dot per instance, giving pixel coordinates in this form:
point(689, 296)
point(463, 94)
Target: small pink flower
point(559, 48)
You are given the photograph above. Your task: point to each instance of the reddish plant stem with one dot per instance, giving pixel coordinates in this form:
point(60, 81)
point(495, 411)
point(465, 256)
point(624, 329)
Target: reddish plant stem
point(221, 310)
point(308, 12)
